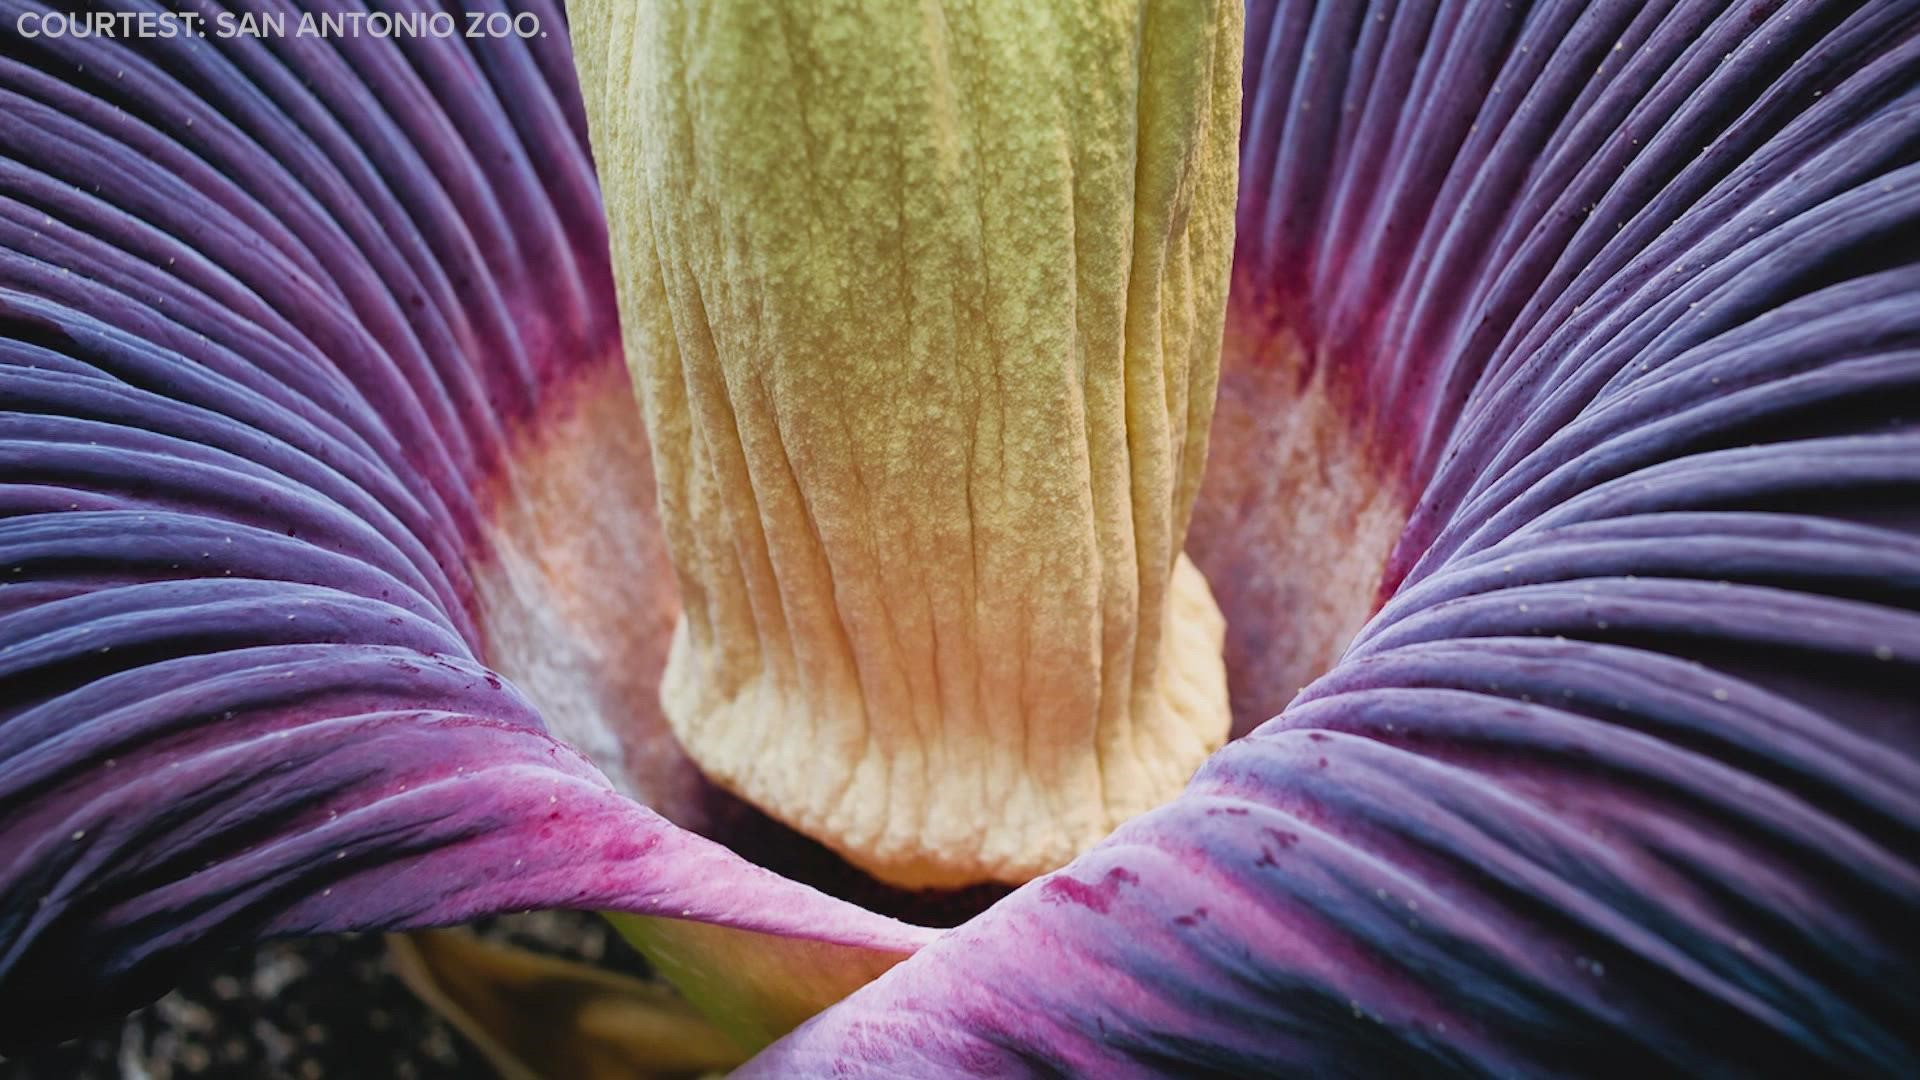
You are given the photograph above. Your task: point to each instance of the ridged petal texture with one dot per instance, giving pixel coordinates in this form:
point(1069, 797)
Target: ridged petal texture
point(313, 426)
point(1623, 301)
point(1604, 319)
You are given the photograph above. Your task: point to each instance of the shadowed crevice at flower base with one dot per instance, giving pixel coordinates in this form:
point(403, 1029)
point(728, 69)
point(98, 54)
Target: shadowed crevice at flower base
point(1561, 502)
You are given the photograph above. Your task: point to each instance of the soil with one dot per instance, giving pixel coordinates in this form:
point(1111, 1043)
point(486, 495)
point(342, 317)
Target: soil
point(305, 1010)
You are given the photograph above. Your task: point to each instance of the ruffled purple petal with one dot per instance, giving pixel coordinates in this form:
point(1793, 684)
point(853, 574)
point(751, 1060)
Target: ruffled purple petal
point(302, 343)
point(1622, 775)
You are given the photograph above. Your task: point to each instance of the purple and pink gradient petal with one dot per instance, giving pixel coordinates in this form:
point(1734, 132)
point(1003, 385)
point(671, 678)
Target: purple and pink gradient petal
point(1622, 774)
point(285, 327)
point(1575, 344)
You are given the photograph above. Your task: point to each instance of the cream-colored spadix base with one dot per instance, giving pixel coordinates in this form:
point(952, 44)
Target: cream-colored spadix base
point(924, 304)
point(973, 782)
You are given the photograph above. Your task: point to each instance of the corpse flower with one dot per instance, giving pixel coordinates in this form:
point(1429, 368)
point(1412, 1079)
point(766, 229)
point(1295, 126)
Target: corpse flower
point(392, 539)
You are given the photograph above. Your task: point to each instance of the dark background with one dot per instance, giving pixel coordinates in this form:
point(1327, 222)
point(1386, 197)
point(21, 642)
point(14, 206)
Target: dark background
point(305, 1010)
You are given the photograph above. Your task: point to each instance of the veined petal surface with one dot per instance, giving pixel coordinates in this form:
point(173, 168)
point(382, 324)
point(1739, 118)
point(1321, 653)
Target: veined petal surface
point(1597, 324)
point(323, 511)
point(1600, 317)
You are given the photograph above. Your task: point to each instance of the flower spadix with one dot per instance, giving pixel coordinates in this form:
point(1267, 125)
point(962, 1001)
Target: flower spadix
point(924, 304)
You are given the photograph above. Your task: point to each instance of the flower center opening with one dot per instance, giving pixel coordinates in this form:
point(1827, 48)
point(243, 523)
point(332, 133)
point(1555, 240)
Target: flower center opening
point(924, 311)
